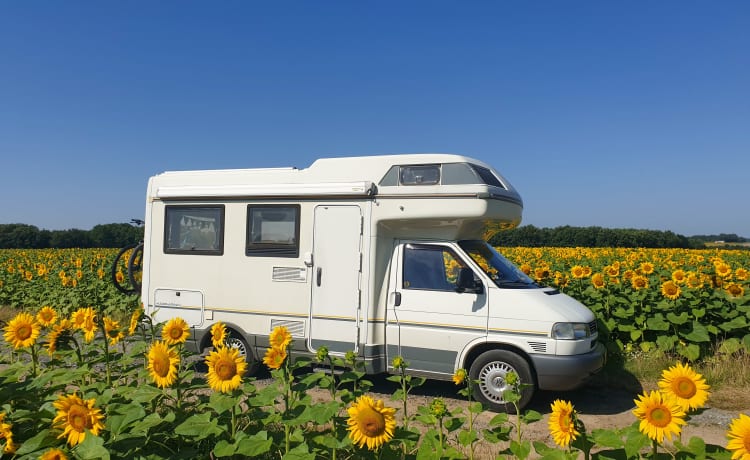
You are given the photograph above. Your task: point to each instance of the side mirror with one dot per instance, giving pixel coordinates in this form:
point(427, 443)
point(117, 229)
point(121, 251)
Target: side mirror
point(467, 283)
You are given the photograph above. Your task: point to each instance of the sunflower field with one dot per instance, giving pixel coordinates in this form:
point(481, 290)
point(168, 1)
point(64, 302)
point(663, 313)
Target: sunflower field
point(84, 375)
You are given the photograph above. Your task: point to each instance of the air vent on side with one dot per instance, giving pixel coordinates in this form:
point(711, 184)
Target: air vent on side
point(593, 327)
point(296, 328)
point(539, 347)
point(289, 274)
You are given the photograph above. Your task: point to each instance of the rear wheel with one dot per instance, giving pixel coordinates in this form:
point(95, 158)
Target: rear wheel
point(120, 270)
point(235, 340)
point(491, 369)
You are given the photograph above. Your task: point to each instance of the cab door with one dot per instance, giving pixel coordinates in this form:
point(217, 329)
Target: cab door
point(431, 317)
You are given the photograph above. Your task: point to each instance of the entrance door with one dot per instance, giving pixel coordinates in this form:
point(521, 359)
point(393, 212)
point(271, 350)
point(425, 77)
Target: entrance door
point(335, 306)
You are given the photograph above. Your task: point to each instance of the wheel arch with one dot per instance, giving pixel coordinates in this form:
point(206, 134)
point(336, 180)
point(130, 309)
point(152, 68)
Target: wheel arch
point(475, 351)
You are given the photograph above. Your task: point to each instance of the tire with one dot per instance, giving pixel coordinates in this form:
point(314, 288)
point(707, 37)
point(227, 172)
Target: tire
point(235, 340)
point(489, 371)
point(123, 286)
point(135, 267)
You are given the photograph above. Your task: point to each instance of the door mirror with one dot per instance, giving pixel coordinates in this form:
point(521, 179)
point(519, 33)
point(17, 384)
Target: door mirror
point(467, 283)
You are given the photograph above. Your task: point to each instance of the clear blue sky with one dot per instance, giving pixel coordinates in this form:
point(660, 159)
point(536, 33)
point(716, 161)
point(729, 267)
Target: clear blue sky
point(632, 114)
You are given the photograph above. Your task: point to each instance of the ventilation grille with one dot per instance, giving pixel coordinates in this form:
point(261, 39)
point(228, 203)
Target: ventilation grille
point(289, 274)
point(539, 347)
point(296, 328)
point(593, 327)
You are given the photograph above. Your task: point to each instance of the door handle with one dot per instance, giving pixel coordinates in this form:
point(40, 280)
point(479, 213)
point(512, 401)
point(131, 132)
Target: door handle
point(318, 275)
point(396, 299)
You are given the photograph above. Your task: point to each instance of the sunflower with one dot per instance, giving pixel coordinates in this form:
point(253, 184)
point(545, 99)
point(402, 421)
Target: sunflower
point(112, 329)
point(75, 416)
point(679, 276)
point(22, 331)
point(459, 376)
point(597, 280)
point(723, 270)
point(639, 282)
point(371, 423)
point(60, 334)
point(225, 369)
point(577, 271)
point(46, 316)
point(54, 454)
point(660, 416)
point(134, 319)
point(398, 362)
point(734, 289)
point(739, 437)
point(562, 423)
point(6, 436)
point(89, 327)
point(687, 387)
point(670, 290)
point(274, 357)
point(741, 274)
point(176, 331)
point(647, 268)
point(218, 334)
point(280, 337)
point(162, 364)
point(694, 281)
point(80, 316)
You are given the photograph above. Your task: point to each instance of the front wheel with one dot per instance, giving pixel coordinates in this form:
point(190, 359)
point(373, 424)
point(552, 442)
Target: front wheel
point(490, 371)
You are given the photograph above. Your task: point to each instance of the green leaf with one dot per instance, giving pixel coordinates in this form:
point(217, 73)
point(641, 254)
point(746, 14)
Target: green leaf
point(299, 452)
point(520, 450)
point(678, 320)
point(92, 448)
point(730, 346)
point(607, 438)
point(39, 441)
point(123, 416)
point(531, 416)
point(635, 335)
point(740, 322)
point(666, 342)
point(221, 402)
point(691, 351)
point(657, 323)
point(466, 438)
point(255, 445)
point(698, 334)
point(199, 426)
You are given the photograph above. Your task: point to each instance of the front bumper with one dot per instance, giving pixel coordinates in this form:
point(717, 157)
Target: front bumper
point(563, 373)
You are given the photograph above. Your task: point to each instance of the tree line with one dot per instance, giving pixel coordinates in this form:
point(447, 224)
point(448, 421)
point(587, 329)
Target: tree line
point(24, 236)
point(567, 236)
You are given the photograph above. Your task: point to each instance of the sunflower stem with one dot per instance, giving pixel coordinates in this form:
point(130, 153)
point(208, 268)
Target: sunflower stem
point(655, 448)
point(34, 359)
point(106, 353)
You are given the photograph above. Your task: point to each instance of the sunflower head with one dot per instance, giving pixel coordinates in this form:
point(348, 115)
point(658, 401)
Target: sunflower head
point(280, 337)
point(597, 280)
point(459, 376)
point(176, 331)
point(399, 362)
point(660, 416)
point(112, 329)
point(22, 331)
point(322, 354)
point(54, 454)
point(562, 423)
point(225, 369)
point(687, 387)
point(218, 334)
point(75, 416)
point(6, 436)
point(59, 336)
point(46, 316)
point(162, 364)
point(135, 318)
point(274, 357)
point(739, 437)
point(670, 290)
point(734, 290)
point(370, 423)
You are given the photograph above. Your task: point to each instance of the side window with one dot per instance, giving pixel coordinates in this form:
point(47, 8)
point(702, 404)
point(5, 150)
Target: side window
point(273, 231)
point(432, 268)
point(194, 230)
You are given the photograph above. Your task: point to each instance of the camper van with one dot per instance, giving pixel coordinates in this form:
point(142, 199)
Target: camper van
point(381, 255)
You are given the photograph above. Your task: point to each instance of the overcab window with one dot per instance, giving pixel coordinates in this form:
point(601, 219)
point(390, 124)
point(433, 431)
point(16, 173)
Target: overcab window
point(273, 230)
point(194, 230)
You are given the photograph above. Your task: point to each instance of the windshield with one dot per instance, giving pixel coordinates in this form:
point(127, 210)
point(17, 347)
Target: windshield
point(498, 268)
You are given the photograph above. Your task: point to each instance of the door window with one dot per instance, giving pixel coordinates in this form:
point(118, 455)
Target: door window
point(432, 268)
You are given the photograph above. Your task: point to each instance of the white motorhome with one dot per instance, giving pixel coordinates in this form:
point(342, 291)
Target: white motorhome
point(381, 255)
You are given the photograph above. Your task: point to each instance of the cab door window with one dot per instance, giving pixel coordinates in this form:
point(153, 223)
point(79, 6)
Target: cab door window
point(433, 268)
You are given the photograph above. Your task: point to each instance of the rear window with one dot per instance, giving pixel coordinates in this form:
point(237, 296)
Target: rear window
point(273, 231)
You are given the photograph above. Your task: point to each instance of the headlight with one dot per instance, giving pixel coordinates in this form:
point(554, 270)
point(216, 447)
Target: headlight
point(570, 331)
